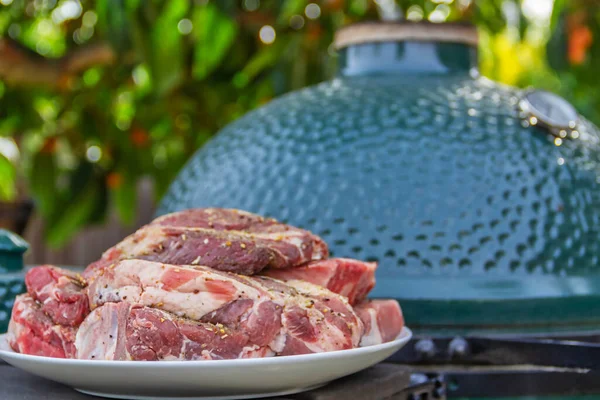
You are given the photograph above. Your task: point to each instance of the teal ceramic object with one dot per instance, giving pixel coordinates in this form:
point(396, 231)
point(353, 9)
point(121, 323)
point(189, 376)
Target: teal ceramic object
point(12, 248)
point(480, 217)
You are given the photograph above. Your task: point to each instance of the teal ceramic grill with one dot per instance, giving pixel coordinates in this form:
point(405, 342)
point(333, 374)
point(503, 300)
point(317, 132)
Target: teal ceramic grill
point(12, 248)
point(480, 201)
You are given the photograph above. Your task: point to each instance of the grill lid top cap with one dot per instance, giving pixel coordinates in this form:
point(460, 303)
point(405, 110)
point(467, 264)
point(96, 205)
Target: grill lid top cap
point(371, 32)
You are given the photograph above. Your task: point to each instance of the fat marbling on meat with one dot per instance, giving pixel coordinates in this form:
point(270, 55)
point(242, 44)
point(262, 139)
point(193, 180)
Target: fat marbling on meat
point(124, 331)
point(383, 321)
point(178, 289)
point(31, 331)
point(60, 293)
point(351, 278)
point(291, 318)
point(223, 239)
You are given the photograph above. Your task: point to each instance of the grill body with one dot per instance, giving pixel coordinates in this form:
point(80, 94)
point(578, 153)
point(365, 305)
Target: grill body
point(478, 220)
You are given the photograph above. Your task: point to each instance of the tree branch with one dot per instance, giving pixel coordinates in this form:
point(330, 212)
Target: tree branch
point(20, 66)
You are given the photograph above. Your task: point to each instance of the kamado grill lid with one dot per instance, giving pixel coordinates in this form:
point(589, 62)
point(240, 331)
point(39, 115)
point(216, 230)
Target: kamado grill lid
point(386, 32)
point(479, 201)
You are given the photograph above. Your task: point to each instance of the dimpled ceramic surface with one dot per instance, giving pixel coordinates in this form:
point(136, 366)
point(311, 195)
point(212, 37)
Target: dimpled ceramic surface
point(436, 177)
point(10, 286)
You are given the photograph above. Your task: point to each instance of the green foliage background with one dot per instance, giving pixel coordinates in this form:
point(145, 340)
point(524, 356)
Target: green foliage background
point(177, 71)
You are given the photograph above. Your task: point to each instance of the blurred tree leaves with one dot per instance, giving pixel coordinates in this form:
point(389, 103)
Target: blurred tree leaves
point(113, 20)
point(215, 34)
point(7, 177)
point(184, 69)
point(166, 59)
point(123, 191)
point(43, 180)
point(82, 201)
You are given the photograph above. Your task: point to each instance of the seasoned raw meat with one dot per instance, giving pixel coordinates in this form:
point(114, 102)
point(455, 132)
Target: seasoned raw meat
point(44, 321)
point(222, 239)
point(351, 278)
point(31, 331)
point(382, 319)
point(224, 219)
point(60, 294)
point(314, 319)
point(291, 318)
point(123, 331)
point(185, 288)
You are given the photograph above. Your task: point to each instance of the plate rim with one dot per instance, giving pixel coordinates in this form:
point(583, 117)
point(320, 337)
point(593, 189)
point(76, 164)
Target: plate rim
point(201, 397)
point(401, 340)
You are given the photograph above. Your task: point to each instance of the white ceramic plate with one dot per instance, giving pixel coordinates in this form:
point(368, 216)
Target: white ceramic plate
point(215, 379)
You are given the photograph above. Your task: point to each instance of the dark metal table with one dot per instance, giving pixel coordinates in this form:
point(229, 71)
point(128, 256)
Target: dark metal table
point(383, 381)
point(469, 367)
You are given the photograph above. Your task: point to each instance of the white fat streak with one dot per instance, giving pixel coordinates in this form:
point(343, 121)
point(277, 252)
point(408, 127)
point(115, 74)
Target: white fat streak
point(295, 238)
point(151, 235)
point(329, 334)
point(256, 352)
point(141, 282)
point(115, 293)
point(191, 305)
point(347, 288)
point(319, 252)
point(278, 344)
point(63, 342)
point(374, 335)
point(240, 212)
point(311, 289)
point(200, 282)
point(140, 241)
point(49, 290)
point(206, 210)
point(93, 340)
point(16, 329)
point(14, 332)
point(171, 358)
point(320, 292)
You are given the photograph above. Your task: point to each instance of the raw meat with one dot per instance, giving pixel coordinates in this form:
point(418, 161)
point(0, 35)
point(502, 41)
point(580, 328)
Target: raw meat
point(44, 321)
point(224, 219)
point(382, 319)
point(291, 318)
point(60, 294)
point(31, 331)
point(122, 331)
point(183, 288)
point(222, 239)
point(314, 319)
point(351, 278)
